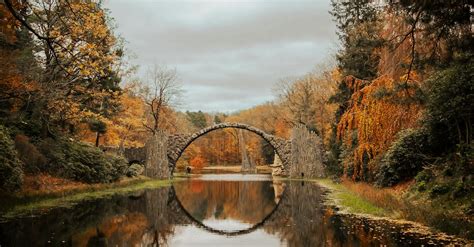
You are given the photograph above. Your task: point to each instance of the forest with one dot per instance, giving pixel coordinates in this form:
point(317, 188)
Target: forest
point(394, 105)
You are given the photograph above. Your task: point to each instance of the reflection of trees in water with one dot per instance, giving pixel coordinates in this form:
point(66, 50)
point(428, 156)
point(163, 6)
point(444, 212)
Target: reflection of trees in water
point(303, 220)
point(59, 224)
point(299, 216)
point(143, 218)
point(162, 220)
point(306, 212)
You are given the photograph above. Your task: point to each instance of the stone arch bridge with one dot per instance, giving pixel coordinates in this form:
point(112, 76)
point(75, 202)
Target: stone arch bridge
point(178, 143)
point(163, 150)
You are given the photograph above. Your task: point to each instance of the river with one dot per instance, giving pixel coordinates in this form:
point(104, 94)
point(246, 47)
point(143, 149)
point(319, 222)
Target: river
point(207, 210)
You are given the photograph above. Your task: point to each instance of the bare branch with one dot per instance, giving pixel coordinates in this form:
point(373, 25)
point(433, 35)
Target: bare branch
point(161, 92)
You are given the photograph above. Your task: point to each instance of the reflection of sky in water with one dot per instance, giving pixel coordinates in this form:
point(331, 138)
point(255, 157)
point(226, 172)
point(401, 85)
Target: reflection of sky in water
point(193, 236)
point(226, 225)
point(233, 177)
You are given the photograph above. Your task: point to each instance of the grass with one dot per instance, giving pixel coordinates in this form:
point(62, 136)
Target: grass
point(351, 202)
point(25, 205)
point(44, 185)
point(386, 198)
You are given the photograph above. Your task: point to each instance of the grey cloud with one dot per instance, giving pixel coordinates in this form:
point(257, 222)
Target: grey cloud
point(226, 52)
point(223, 99)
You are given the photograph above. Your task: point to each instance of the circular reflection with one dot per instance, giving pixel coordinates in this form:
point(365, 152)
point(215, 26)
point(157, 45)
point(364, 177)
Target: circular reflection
point(231, 203)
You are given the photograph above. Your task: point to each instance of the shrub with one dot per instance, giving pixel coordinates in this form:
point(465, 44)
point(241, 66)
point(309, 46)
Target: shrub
point(421, 186)
point(404, 159)
point(11, 173)
point(82, 162)
point(439, 189)
point(423, 176)
point(33, 160)
point(119, 165)
point(56, 156)
point(459, 189)
point(135, 170)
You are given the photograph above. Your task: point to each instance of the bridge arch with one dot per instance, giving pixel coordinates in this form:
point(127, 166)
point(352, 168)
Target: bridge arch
point(178, 143)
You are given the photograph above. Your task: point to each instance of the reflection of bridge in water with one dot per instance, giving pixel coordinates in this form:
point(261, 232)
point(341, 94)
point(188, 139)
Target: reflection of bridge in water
point(175, 204)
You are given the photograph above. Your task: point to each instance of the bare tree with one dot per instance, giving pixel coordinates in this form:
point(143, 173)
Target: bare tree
point(297, 96)
point(161, 93)
point(305, 98)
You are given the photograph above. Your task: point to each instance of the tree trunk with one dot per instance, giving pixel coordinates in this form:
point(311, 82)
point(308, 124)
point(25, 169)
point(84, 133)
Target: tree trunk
point(97, 139)
point(459, 132)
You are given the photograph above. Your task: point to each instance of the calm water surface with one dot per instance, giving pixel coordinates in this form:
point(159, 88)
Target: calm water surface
point(207, 210)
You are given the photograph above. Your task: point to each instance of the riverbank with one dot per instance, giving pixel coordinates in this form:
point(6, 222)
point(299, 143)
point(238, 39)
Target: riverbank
point(397, 204)
point(65, 194)
point(364, 200)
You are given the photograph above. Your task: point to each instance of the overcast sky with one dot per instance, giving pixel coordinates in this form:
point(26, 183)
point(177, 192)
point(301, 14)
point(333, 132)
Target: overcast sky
point(228, 54)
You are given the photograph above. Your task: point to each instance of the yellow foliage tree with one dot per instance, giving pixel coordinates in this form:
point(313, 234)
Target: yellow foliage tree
point(78, 56)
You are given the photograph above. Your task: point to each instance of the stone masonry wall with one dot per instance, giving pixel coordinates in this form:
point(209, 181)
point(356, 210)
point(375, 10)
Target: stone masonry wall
point(156, 163)
point(306, 154)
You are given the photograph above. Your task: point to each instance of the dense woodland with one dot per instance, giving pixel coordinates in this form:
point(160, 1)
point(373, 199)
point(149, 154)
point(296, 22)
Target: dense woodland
point(394, 106)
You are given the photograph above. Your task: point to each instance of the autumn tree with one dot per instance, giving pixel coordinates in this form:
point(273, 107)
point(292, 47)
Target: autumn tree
point(371, 123)
point(298, 97)
point(198, 162)
point(79, 56)
point(128, 123)
point(61, 75)
point(18, 67)
point(306, 100)
point(270, 117)
point(358, 27)
point(125, 128)
point(389, 62)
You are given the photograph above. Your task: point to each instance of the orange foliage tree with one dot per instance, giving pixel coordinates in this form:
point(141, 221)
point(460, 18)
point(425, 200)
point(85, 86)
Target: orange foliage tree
point(125, 128)
point(198, 161)
point(376, 113)
point(16, 86)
